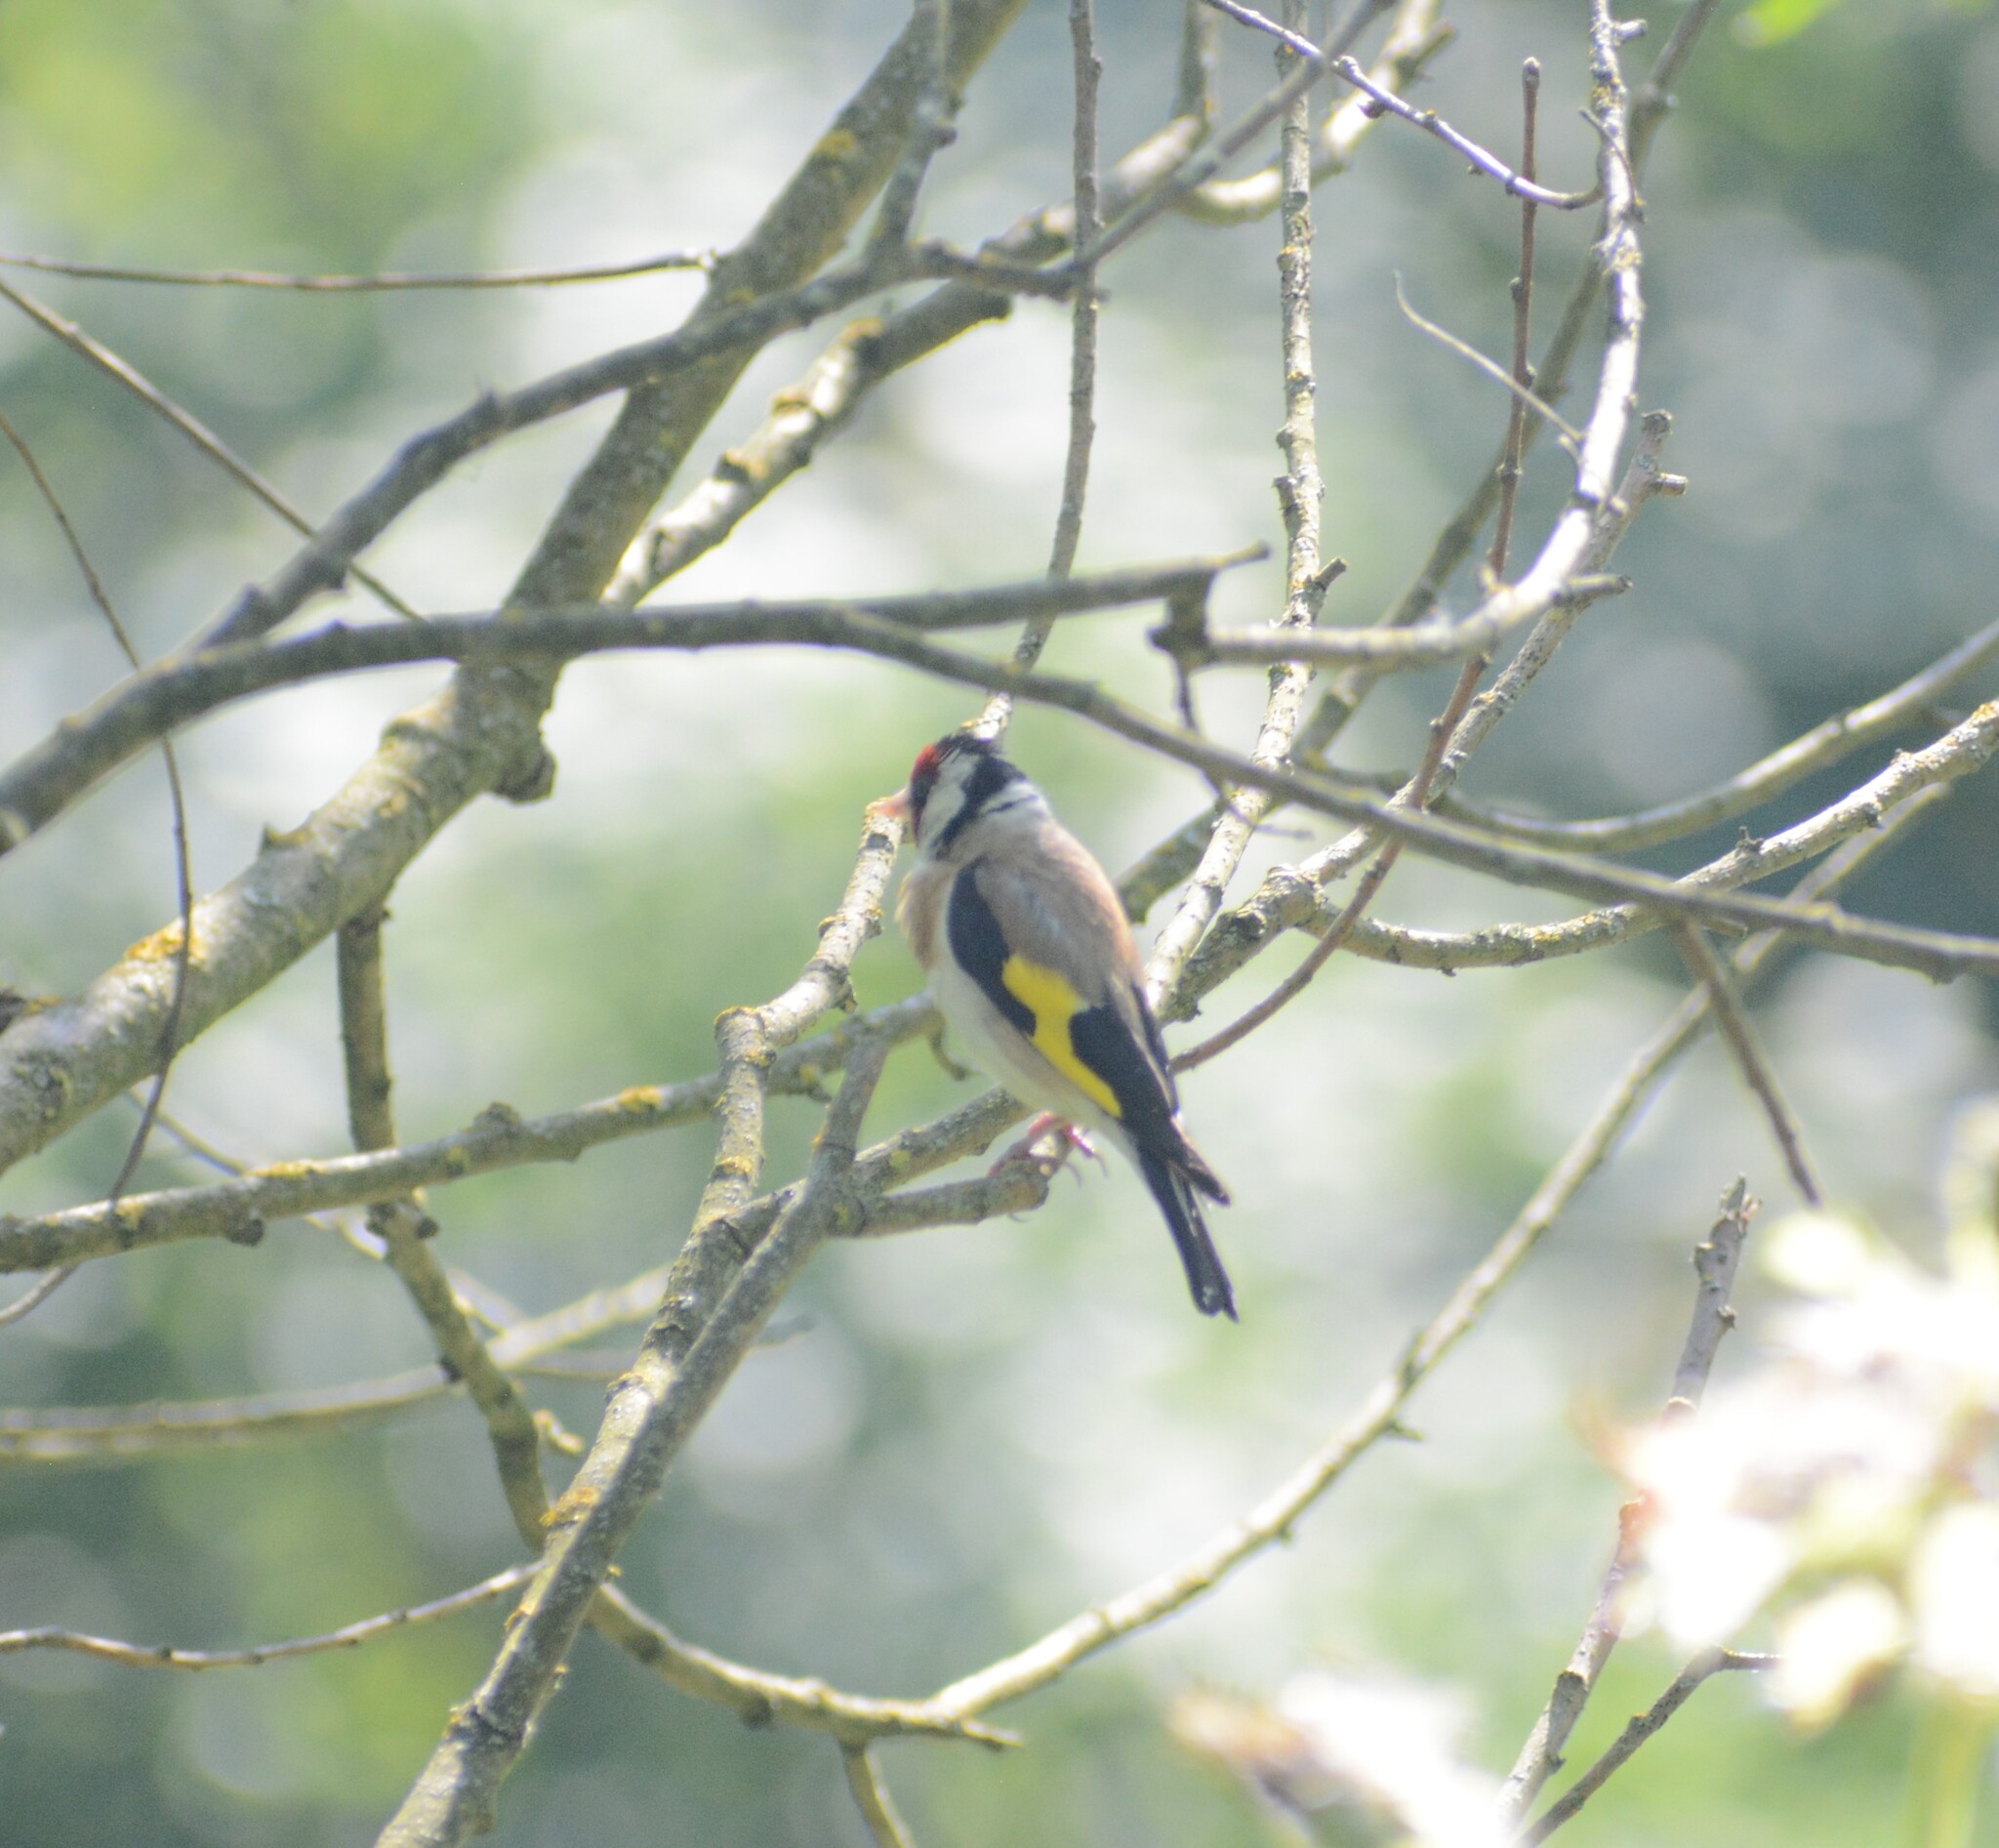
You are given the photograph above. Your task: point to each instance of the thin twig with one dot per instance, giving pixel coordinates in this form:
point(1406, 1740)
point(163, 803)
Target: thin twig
point(1825, 744)
point(1750, 1059)
point(1715, 1262)
point(885, 1827)
point(1654, 98)
point(349, 1636)
point(1195, 172)
point(1087, 309)
point(1554, 579)
point(103, 1435)
point(184, 875)
point(1301, 494)
point(122, 372)
point(1085, 316)
point(1523, 396)
point(930, 129)
point(1513, 449)
point(1414, 38)
point(1504, 611)
point(1460, 531)
point(1487, 163)
point(1417, 796)
point(31, 1298)
point(406, 1234)
point(1349, 689)
point(702, 259)
point(1199, 36)
point(1710, 1661)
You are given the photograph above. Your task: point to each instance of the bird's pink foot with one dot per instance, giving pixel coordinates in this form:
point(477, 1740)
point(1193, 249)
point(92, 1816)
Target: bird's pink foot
point(1036, 1132)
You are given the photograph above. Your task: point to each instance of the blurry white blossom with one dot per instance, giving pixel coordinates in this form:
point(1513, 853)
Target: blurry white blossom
point(1849, 1487)
point(1832, 1646)
point(1357, 1761)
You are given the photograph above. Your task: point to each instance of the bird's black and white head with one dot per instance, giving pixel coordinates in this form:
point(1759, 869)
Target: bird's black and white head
point(959, 785)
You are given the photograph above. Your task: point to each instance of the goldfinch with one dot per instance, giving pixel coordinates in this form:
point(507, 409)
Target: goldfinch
point(1033, 965)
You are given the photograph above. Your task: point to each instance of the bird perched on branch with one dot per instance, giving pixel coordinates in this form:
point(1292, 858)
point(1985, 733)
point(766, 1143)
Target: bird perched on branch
point(1032, 964)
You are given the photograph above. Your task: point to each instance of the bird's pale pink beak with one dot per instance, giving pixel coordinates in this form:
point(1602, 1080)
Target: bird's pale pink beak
point(896, 808)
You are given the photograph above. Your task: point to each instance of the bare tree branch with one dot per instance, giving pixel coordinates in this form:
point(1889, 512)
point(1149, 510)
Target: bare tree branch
point(1715, 1262)
point(1415, 37)
point(702, 259)
point(1301, 493)
point(885, 1829)
point(1710, 1661)
point(1751, 1059)
point(1085, 316)
point(406, 1234)
point(1459, 533)
point(1512, 450)
point(349, 1636)
point(174, 691)
point(652, 1411)
point(123, 373)
point(1828, 743)
point(184, 877)
point(1291, 898)
point(1485, 162)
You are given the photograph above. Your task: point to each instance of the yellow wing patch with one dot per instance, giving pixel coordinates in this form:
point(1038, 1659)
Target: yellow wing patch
point(1054, 1004)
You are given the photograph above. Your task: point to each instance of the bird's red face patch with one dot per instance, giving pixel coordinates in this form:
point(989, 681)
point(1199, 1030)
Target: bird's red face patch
point(923, 781)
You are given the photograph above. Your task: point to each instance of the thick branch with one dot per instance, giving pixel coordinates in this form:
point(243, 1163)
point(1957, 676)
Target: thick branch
point(481, 733)
point(653, 1409)
point(175, 692)
point(239, 1208)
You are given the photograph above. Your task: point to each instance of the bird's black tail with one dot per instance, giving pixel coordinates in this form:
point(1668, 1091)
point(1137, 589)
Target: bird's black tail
point(1176, 1193)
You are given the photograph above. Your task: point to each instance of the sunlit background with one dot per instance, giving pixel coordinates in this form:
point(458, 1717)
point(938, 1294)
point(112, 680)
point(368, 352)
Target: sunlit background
point(966, 1435)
